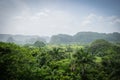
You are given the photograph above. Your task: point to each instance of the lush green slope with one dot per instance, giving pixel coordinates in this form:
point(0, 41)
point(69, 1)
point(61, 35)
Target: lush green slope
point(84, 37)
point(61, 38)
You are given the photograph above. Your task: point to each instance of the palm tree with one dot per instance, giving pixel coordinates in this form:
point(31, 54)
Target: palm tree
point(111, 66)
point(83, 59)
point(56, 53)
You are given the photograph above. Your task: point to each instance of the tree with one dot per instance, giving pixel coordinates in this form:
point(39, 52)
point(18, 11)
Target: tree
point(15, 62)
point(111, 64)
point(39, 44)
point(83, 60)
point(57, 53)
point(99, 47)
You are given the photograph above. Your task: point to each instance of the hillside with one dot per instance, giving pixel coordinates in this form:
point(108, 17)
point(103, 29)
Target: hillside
point(22, 39)
point(84, 37)
point(80, 37)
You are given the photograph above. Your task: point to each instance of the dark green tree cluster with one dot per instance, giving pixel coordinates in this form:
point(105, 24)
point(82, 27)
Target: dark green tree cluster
point(15, 62)
point(99, 61)
point(39, 44)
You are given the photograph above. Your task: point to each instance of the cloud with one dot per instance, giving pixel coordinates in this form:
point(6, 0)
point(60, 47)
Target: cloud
point(88, 20)
point(43, 22)
point(99, 23)
point(8, 9)
point(18, 17)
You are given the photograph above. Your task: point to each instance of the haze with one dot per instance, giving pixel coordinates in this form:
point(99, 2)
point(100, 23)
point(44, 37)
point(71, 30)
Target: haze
point(50, 17)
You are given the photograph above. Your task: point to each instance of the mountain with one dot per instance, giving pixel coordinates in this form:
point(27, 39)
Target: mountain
point(22, 39)
point(80, 37)
point(84, 37)
point(61, 38)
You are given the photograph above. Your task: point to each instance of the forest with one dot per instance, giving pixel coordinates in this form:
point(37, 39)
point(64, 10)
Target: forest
point(98, 60)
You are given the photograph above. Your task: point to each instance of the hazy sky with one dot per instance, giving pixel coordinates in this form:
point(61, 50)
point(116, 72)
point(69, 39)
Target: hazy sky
point(49, 17)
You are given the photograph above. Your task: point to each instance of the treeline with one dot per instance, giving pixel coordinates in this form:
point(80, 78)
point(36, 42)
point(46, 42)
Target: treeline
point(98, 61)
point(84, 38)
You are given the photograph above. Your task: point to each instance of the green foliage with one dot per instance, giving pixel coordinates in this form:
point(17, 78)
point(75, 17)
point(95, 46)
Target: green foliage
point(84, 61)
point(39, 44)
point(15, 62)
point(84, 38)
point(71, 62)
point(99, 46)
point(61, 38)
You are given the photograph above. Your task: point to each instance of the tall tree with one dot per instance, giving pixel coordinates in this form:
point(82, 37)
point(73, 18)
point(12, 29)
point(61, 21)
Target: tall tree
point(83, 60)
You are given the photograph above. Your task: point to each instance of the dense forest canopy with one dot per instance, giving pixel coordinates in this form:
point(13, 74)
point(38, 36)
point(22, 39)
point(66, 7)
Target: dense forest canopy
point(98, 61)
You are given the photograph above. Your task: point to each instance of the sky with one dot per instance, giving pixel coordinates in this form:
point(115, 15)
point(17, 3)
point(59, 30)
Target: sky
point(51, 17)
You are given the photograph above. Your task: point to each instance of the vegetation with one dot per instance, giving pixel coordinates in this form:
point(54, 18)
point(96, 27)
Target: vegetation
point(39, 44)
point(84, 38)
point(98, 61)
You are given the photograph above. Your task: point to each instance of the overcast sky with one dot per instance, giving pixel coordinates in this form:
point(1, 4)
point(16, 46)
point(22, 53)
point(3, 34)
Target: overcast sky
point(49, 17)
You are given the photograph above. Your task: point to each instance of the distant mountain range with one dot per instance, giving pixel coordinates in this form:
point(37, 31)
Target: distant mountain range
point(84, 37)
point(22, 39)
point(80, 37)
